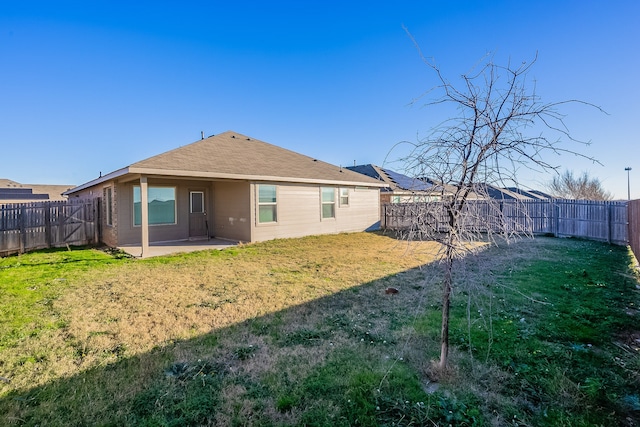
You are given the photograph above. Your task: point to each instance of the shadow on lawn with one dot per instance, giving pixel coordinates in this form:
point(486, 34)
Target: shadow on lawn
point(239, 374)
point(337, 360)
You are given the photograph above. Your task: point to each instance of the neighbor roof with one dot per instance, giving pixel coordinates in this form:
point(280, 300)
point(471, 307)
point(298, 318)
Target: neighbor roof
point(509, 193)
point(394, 180)
point(15, 192)
point(231, 155)
point(534, 194)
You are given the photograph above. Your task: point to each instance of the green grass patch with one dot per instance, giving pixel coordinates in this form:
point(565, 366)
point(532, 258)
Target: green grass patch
point(300, 332)
point(31, 283)
point(559, 326)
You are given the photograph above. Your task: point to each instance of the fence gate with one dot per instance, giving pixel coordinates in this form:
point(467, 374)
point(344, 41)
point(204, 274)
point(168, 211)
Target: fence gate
point(39, 225)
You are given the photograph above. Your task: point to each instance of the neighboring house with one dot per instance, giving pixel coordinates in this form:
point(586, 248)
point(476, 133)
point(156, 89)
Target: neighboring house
point(234, 187)
point(512, 193)
point(14, 192)
point(532, 194)
point(404, 189)
point(400, 188)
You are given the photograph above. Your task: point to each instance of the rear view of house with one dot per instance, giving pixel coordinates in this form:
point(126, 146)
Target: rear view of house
point(234, 187)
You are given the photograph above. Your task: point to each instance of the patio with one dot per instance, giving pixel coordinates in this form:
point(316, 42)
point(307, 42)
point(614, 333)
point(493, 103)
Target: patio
point(181, 246)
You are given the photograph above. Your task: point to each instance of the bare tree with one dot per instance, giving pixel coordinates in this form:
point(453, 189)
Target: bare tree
point(569, 186)
point(486, 142)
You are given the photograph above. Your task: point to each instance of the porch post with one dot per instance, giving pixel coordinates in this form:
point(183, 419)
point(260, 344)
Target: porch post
point(144, 209)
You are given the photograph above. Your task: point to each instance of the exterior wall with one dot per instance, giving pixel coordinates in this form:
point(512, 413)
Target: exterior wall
point(109, 232)
point(385, 198)
point(231, 210)
point(129, 234)
point(299, 212)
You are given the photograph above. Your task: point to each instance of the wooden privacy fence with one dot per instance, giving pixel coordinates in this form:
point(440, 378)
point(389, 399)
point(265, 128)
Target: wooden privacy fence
point(596, 220)
point(634, 227)
point(39, 225)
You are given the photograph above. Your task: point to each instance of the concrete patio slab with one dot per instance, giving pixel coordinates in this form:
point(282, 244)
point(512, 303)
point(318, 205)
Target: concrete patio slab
point(181, 246)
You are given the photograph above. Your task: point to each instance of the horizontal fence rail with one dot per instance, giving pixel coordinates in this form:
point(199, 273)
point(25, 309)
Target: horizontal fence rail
point(595, 220)
point(39, 225)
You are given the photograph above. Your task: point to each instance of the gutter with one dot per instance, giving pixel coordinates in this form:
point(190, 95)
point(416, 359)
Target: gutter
point(97, 181)
point(243, 177)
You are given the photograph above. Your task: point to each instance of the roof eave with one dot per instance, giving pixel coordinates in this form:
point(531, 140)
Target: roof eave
point(249, 177)
point(104, 178)
point(132, 170)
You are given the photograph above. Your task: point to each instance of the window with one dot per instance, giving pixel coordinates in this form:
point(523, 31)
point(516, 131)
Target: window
point(344, 197)
point(162, 205)
point(108, 195)
point(267, 203)
point(328, 202)
point(197, 202)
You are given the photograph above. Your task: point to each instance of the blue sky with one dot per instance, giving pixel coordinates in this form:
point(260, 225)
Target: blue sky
point(93, 86)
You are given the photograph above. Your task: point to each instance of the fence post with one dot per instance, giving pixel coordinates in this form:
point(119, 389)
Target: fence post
point(47, 224)
point(23, 229)
point(97, 220)
point(609, 222)
point(555, 217)
point(61, 221)
point(630, 220)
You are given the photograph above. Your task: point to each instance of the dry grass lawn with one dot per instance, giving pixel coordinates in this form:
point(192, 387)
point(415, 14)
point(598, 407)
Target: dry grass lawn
point(301, 332)
point(136, 306)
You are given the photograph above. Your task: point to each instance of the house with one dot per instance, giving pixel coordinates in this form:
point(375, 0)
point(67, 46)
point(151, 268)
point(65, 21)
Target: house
point(510, 193)
point(15, 192)
point(230, 186)
point(531, 194)
point(400, 188)
point(405, 189)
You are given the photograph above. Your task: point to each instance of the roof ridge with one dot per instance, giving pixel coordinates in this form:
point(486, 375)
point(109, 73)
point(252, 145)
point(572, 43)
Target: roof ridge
point(233, 155)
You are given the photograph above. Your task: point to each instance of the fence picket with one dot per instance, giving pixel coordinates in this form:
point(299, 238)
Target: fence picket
point(596, 220)
point(39, 225)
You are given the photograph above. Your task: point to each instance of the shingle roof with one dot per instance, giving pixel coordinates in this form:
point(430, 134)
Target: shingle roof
point(231, 155)
point(15, 192)
point(509, 193)
point(369, 170)
point(533, 194)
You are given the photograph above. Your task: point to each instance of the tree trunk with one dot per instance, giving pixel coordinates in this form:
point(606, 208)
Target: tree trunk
point(446, 302)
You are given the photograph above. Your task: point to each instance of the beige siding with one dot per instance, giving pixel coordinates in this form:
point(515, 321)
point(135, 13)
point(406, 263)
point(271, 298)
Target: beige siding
point(299, 212)
point(110, 232)
point(231, 210)
point(129, 234)
point(364, 210)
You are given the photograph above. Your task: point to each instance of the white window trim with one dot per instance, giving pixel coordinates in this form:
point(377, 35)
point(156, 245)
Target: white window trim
point(175, 206)
point(109, 207)
point(322, 203)
point(348, 197)
point(258, 204)
point(191, 202)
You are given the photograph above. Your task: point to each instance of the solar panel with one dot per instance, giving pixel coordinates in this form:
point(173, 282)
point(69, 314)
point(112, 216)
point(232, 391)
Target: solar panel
point(408, 183)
